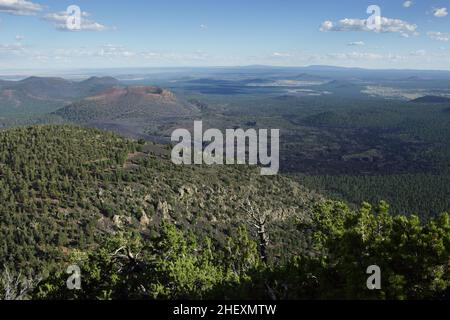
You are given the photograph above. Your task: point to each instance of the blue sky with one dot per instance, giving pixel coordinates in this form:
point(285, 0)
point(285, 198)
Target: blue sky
point(147, 33)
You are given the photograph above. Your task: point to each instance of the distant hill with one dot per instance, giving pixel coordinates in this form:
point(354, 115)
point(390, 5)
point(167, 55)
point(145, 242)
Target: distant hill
point(431, 99)
point(413, 78)
point(340, 84)
point(59, 88)
point(45, 88)
point(95, 85)
point(126, 102)
point(309, 77)
point(42, 95)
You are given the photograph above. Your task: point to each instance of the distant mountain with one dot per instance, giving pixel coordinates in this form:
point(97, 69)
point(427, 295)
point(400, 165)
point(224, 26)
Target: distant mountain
point(45, 88)
point(95, 85)
point(59, 88)
point(330, 68)
point(340, 85)
point(210, 81)
point(124, 103)
point(296, 77)
point(413, 78)
point(307, 77)
point(41, 95)
point(431, 99)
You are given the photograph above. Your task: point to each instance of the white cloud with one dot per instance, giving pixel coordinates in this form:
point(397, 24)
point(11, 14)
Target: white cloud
point(20, 7)
point(203, 26)
point(326, 26)
point(108, 51)
point(20, 38)
point(281, 54)
point(118, 53)
point(360, 58)
point(388, 25)
point(356, 43)
point(113, 51)
point(439, 36)
point(407, 4)
point(357, 56)
point(59, 20)
point(15, 48)
point(149, 55)
point(440, 12)
point(419, 53)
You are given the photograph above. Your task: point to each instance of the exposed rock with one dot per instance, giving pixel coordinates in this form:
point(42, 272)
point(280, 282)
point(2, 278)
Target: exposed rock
point(119, 221)
point(145, 220)
point(186, 190)
point(163, 209)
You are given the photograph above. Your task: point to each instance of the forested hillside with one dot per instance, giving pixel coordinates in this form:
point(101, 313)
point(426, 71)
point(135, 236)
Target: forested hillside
point(140, 227)
point(65, 187)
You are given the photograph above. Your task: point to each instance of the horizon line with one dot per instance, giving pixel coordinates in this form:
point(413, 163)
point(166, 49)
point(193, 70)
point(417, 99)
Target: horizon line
point(6, 72)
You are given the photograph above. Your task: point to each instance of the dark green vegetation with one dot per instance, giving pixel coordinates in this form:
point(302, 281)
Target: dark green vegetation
point(140, 227)
point(354, 149)
point(47, 193)
point(176, 265)
point(64, 187)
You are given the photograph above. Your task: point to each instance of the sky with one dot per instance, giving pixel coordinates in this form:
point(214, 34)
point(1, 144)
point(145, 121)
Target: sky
point(172, 33)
